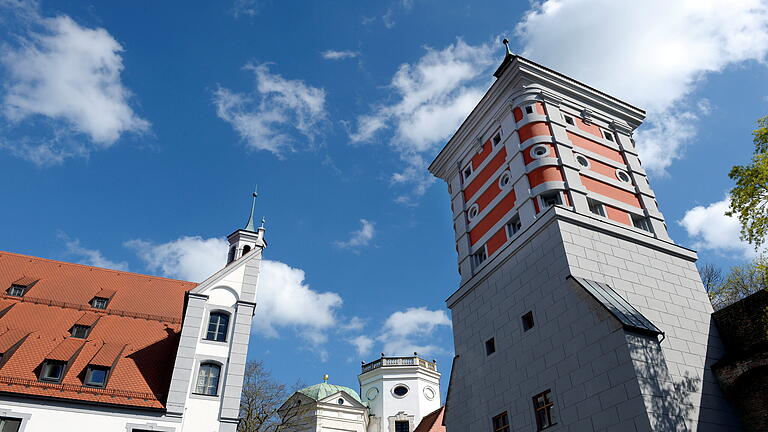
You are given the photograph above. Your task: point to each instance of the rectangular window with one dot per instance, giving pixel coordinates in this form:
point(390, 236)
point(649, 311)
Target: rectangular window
point(9, 424)
point(529, 109)
point(501, 423)
point(596, 207)
point(551, 198)
point(569, 120)
point(402, 426)
point(479, 257)
point(642, 223)
point(99, 303)
point(467, 171)
point(52, 371)
point(80, 331)
point(208, 379)
point(514, 225)
point(490, 346)
point(16, 291)
point(527, 321)
point(608, 135)
point(496, 139)
point(96, 376)
point(542, 406)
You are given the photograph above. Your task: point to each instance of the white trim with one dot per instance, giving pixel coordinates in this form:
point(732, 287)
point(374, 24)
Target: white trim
point(24, 417)
point(619, 172)
point(576, 157)
point(532, 152)
point(408, 390)
point(476, 209)
point(506, 174)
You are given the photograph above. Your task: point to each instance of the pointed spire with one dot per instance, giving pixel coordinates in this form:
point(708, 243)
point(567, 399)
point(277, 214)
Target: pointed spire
point(249, 225)
point(506, 44)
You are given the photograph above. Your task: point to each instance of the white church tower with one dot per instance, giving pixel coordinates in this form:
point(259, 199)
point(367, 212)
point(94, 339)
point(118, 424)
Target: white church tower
point(399, 392)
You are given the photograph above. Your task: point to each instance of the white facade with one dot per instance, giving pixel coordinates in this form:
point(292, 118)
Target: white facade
point(337, 412)
point(382, 383)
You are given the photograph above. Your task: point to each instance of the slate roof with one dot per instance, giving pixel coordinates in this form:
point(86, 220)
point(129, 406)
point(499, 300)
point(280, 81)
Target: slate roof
point(323, 390)
point(629, 317)
point(136, 335)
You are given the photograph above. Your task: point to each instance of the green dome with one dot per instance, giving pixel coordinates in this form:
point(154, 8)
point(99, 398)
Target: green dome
point(323, 390)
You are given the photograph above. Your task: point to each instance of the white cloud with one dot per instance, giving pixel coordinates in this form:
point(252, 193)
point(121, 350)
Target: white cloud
point(359, 238)
point(412, 330)
point(91, 257)
point(712, 230)
point(651, 53)
point(266, 117)
point(285, 300)
point(432, 97)
point(363, 345)
point(339, 55)
point(245, 7)
point(68, 76)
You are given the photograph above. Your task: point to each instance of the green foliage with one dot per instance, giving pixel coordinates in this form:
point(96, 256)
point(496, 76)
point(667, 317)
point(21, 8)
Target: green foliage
point(749, 198)
point(740, 282)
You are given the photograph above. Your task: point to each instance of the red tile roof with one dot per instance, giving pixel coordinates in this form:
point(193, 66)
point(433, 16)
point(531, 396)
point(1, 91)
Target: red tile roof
point(432, 422)
point(136, 335)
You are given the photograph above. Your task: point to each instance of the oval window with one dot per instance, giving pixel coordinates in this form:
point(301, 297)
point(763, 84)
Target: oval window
point(372, 393)
point(473, 211)
point(623, 176)
point(504, 180)
point(340, 401)
point(429, 393)
point(539, 151)
point(400, 390)
point(582, 160)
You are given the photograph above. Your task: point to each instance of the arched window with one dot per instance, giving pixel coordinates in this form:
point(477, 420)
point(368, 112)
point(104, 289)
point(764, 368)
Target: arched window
point(246, 249)
point(217, 327)
point(231, 256)
point(208, 379)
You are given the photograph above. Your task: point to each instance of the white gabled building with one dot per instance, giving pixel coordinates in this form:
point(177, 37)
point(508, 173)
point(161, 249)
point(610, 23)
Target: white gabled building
point(91, 349)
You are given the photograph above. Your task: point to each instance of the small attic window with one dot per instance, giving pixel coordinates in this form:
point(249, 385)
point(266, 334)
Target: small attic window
point(52, 370)
point(96, 376)
point(99, 303)
point(17, 290)
point(80, 331)
point(340, 401)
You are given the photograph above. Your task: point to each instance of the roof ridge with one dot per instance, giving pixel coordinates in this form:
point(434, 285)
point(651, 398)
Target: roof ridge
point(96, 267)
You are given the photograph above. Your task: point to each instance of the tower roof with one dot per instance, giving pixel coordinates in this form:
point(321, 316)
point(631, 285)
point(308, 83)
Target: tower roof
point(249, 226)
point(323, 390)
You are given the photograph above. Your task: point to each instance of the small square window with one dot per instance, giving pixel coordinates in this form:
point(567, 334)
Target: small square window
point(52, 371)
point(99, 303)
point(467, 171)
point(529, 109)
point(527, 321)
point(551, 198)
point(501, 422)
point(496, 139)
point(402, 426)
point(17, 290)
point(608, 135)
point(80, 331)
point(514, 225)
point(596, 207)
point(490, 346)
point(569, 120)
point(96, 376)
point(479, 257)
point(642, 223)
point(542, 406)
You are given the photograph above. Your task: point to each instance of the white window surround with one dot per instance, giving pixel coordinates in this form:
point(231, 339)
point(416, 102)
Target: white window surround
point(539, 151)
point(467, 171)
point(135, 427)
point(212, 308)
point(623, 176)
point(407, 390)
point(505, 180)
point(473, 211)
point(569, 119)
point(529, 109)
point(586, 164)
point(24, 417)
point(199, 360)
point(608, 135)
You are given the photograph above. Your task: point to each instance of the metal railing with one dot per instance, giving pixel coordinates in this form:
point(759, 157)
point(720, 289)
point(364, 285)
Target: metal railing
point(399, 361)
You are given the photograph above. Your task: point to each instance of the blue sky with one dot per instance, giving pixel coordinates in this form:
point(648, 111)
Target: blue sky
point(131, 136)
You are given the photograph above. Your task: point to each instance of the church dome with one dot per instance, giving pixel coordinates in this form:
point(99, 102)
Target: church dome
point(323, 390)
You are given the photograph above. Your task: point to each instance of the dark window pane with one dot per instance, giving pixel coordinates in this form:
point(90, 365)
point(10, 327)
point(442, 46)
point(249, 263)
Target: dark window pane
point(217, 327)
point(401, 426)
point(80, 331)
point(8, 424)
point(96, 377)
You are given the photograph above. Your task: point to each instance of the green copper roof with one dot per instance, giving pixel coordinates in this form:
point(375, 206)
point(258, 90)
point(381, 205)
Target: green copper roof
point(249, 225)
point(323, 390)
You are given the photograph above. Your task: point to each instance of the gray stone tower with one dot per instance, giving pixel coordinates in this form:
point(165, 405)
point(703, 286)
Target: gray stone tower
point(575, 310)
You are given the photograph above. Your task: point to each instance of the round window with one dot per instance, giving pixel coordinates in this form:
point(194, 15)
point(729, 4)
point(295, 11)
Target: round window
point(429, 393)
point(473, 211)
point(504, 179)
point(372, 393)
point(400, 390)
point(539, 151)
point(340, 401)
point(582, 160)
point(623, 176)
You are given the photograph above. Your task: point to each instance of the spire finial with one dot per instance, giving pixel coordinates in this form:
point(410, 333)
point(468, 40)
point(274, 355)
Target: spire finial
point(325, 378)
point(506, 44)
point(249, 225)
point(263, 222)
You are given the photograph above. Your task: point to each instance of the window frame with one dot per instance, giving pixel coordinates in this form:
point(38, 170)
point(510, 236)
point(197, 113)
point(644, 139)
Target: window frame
point(505, 175)
point(545, 195)
point(546, 407)
point(496, 140)
point(581, 166)
point(569, 120)
point(475, 257)
point(89, 374)
point(500, 422)
point(80, 326)
point(529, 109)
point(514, 221)
point(13, 287)
point(467, 168)
point(402, 422)
point(490, 346)
point(98, 299)
point(641, 223)
point(593, 205)
point(400, 385)
point(532, 151)
point(608, 136)
point(527, 321)
point(473, 208)
point(211, 314)
point(46, 367)
point(619, 173)
point(206, 385)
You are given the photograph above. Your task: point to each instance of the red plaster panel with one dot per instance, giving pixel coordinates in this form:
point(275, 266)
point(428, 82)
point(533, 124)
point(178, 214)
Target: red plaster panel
point(544, 174)
point(488, 196)
point(518, 113)
point(505, 205)
point(478, 158)
point(617, 215)
point(602, 168)
point(485, 174)
point(533, 129)
point(595, 147)
point(496, 241)
point(588, 128)
point(610, 191)
point(539, 108)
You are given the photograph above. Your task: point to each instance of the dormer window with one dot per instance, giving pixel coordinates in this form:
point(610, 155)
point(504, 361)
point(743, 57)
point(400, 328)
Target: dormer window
point(99, 303)
point(17, 290)
point(96, 376)
point(80, 331)
point(52, 370)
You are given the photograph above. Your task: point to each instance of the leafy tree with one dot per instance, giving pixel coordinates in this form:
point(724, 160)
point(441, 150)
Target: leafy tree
point(740, 282)
point(749, 198)
point(261, 399)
